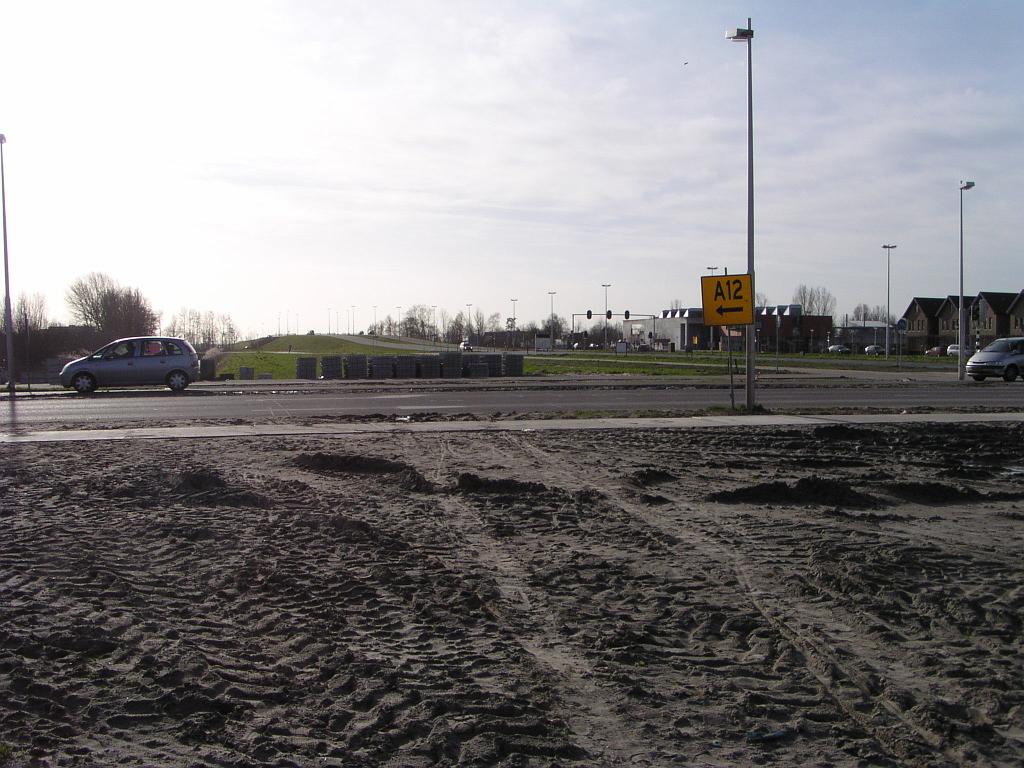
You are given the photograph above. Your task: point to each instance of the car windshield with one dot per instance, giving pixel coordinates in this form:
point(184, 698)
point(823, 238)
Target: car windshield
point(999, 345)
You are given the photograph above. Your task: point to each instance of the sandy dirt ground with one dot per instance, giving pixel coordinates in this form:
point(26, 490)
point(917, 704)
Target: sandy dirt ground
point(826, 596)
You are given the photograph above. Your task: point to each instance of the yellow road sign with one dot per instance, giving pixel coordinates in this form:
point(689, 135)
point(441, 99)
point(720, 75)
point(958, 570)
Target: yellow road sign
point(728, 299)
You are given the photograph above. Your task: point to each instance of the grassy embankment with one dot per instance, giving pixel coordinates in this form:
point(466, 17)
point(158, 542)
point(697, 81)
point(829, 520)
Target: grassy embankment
point(275, 358)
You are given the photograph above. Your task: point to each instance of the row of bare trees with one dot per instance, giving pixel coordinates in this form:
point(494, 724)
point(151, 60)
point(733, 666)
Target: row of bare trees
point(438, 324)
point(102, 310)
point(203, 329)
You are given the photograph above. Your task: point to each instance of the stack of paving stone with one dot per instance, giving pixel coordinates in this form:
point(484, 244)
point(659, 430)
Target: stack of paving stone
point(305, 368)
point(246, 374)
point(513, 365)
point(405, 367)
point(330, 366)
point(355, 367)
point(382, 367)
point(493, 364)
point(476, 370)
point(451, 365)
point(428, 366)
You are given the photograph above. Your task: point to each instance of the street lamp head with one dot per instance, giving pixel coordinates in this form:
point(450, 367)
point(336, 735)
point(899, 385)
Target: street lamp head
point(739, 35)
point(966, 185)
point(889, 247)
point(3, 139)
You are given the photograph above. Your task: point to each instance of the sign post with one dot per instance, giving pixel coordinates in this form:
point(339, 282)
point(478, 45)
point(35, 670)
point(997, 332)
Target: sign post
point(729, 300)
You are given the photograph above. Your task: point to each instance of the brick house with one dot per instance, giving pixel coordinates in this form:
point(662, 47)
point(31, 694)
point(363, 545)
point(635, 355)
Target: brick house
point(1015, 313)
point(991, 319)
point(948, 318)
point(922, 318)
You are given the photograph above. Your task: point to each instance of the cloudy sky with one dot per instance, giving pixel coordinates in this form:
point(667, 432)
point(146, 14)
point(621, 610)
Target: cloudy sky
point(274, 159)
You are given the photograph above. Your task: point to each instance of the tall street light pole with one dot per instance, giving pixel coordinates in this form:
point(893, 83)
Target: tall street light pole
point(8, 319)
point(552, 328)
point(747, 36)
point(962, 333)
point(712, 270)
point(469, 322)
point(888, 253)
point(606, 286)
point(513, 345)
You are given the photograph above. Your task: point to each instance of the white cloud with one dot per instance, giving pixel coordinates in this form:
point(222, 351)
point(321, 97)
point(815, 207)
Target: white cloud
point(288, 155)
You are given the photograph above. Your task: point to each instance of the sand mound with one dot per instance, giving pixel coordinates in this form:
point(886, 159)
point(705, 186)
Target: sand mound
point(471, 483)
point(806, 490)
point(649, 476)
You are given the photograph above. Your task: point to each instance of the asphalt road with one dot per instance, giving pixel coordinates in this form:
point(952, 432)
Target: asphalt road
point(256, 405)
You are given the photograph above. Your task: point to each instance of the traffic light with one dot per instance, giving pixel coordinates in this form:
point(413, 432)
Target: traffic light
point(608, 314)
point(626, 315)
point(589, 314)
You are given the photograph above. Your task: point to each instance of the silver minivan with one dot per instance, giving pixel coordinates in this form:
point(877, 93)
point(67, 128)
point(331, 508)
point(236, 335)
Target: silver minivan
point(1003, 357)
point(134, 361)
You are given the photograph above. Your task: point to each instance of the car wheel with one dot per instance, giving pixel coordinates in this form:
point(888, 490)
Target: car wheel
point(1010, 373)
point(177, 380)
point(978, 378)
point(83, 383)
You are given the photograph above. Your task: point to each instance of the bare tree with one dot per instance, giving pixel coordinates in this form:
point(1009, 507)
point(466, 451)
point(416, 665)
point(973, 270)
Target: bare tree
point(86, 295)
point(30, 313)
point(815, 301)
point(96, 300)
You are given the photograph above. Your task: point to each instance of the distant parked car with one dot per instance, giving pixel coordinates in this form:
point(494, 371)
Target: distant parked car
point(953, 350)
point(1003, 357)
point(839, 349)
point(935, 352)
point(465, 346)
point(874, 349)
point(134, 361)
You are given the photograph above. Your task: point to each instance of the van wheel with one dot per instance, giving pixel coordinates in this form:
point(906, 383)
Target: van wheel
point(83, 383)
point(177, 381)
point(1010, 373)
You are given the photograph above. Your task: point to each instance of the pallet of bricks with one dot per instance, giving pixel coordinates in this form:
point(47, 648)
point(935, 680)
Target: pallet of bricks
point(475, 366)
point(330, 366)
point(382, 367)
point(305, 368)
point(405, 367)
point(512, 364)
point(493, 364)
point(356, 367)
point(451, 365)
point(428, 367)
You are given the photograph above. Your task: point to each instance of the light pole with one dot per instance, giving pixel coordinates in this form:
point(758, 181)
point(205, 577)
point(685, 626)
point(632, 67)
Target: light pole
point(747, 36)
point(712, 270)
point(606, 286)
point(888, 253)
point(962, 332)
point(399, 321)
point(513, 345)
point(552, 328)
point(433, 322)
point(8, 319)
point(469, 323)
point(354, 331)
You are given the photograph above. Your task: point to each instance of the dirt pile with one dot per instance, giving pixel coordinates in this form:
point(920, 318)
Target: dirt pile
point(430, 602)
